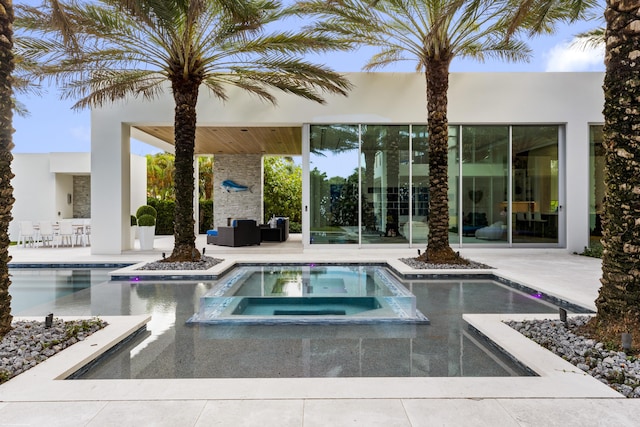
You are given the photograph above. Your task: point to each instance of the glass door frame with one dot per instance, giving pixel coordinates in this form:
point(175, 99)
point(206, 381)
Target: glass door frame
point(561, 240)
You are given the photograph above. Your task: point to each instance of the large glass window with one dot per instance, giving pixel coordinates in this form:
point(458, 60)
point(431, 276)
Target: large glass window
point(485, 153)
point(535, 184)
point(454, 184)
point(420, 185)
point(385, 183)
point(596, 183)
point(334, 216)
point(369, 184)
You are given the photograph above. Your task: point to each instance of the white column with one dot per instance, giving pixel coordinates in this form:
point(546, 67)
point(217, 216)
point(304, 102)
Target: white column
point(196, 195)
point(576, 208)
point(306, 186)
point(110, 186)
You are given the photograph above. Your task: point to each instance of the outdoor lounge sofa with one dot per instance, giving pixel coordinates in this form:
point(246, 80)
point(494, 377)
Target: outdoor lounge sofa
point(276, 231)
point(243, 232)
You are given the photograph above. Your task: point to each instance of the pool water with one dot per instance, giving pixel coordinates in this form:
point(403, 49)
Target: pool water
point(171, 348)
point(43, 286)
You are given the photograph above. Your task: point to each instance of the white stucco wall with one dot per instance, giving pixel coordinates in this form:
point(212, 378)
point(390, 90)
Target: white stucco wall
point(573, 100)
point(33, 190)
point(138, 182)
point(43, 180)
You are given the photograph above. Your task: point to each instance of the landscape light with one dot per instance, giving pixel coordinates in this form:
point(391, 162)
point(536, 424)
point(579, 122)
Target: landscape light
point(626, 341)
point(48, 321)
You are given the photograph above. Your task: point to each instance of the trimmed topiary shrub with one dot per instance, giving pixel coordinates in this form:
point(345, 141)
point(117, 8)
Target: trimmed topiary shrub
point(146, 210)
point(146, 220)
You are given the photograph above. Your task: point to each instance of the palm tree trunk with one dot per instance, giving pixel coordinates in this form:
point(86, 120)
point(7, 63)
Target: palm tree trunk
point(619, 296)
point(438, 249)
point(185, 94)
point(6, 144)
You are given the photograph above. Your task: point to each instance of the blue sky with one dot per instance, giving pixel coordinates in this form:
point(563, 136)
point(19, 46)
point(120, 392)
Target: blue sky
point(53, 127)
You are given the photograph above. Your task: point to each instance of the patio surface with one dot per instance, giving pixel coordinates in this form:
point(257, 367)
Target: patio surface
point(561, 396)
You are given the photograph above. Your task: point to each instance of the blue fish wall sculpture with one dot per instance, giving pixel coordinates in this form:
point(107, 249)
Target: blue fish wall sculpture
point(230, 186)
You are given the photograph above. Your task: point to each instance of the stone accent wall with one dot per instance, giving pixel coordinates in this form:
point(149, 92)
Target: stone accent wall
point(82, 196)
point(243, 169)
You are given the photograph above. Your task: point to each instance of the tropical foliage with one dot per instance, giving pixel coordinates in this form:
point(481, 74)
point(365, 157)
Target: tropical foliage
point(161, 171)
point(618, 302)
point(282, 189)
point(6, 144)
point(431, 34)
point(106, 50)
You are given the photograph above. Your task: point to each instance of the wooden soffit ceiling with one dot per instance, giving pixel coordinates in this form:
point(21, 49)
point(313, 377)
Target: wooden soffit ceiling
point(237, 140)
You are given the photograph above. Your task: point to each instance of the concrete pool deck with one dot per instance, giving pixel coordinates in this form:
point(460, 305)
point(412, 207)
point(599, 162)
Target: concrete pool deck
point(561, 395)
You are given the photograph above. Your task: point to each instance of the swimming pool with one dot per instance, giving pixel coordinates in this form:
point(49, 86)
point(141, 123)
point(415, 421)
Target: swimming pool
point(170, 348)
point(43, 286)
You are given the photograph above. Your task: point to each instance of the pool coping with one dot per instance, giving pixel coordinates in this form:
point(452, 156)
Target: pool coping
point(557, 377)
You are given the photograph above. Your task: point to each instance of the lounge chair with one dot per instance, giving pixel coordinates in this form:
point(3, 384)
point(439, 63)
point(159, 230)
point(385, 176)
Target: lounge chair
point(243, 232)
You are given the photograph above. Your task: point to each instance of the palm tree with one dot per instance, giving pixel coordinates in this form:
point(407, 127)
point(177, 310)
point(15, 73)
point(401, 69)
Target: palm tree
point(618, 302)
point(120, 48)
point(432, 33)
point(6, 144)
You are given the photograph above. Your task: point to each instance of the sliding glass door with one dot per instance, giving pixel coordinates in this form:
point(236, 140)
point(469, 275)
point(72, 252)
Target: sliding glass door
point(596, 183)
point(535, 194)
point(485, 153)
point(385, 183)
point(369, 184)
point(334, 177)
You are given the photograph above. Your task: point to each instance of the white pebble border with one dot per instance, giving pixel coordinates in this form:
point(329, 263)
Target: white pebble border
point(31, 342)
point(614, 368)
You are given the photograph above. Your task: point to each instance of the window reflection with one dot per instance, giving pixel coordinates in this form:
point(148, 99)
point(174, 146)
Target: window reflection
point(385, 183)
point(334, 183)
point(420, 185)
point(535, 184)
point(484, 183)
point(596, 183)
point(387, 199)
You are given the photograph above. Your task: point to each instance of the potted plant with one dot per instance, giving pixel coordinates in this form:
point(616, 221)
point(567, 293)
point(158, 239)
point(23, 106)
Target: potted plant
point(146, 218)
point(133, 231)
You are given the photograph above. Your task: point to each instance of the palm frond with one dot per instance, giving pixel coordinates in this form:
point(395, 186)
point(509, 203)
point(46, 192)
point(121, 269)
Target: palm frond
point(591, 39)
point(129, 47)
point(384, 58)
point(543, 16)
point(109, 86)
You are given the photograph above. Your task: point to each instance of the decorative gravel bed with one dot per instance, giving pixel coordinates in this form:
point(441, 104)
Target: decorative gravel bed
point(614, 368)
point(205, 263)
point(31, 342)
point(419, 265)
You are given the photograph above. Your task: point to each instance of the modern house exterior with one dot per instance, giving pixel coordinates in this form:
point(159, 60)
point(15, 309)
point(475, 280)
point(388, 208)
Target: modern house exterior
point(525, 164)
point(57, 186)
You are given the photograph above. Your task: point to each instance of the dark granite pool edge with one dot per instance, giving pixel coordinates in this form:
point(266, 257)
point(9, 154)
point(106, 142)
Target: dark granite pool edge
point(35, 265)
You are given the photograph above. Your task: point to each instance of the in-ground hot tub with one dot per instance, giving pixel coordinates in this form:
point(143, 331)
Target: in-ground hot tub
point(309, 294)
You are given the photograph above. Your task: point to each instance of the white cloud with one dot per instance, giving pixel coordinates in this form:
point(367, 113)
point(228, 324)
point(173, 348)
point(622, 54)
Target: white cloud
point(81, 133)
point(573, 56)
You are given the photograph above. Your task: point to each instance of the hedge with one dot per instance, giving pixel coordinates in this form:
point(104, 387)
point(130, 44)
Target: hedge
point(166, 208)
